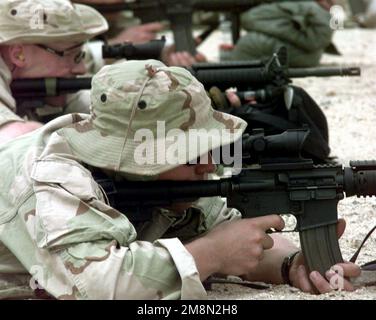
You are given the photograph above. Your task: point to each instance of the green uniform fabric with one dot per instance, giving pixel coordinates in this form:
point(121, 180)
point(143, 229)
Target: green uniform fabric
point(303, 27)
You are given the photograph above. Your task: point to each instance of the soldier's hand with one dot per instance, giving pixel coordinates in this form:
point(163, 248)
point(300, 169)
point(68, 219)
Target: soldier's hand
point(138, 34)
point(239, 245)
point(180, 59)
point(335, 278)
point(234, 100)
point(12, 130)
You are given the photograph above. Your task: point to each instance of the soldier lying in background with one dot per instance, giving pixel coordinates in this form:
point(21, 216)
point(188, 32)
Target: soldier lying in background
point(302, 26)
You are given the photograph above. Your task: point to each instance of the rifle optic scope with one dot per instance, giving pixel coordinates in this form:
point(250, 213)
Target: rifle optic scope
point(149, 50)
point(289, 143)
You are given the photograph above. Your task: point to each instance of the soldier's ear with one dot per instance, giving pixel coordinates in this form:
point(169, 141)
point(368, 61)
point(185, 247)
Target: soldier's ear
point(16, 54)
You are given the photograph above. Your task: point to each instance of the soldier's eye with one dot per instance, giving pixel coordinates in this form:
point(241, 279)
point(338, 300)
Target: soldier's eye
point(79, 57)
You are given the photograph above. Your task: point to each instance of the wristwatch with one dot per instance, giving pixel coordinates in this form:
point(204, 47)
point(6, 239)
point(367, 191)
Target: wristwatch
point(285, 268)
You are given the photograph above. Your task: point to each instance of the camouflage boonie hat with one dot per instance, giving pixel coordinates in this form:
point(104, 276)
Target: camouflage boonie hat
point(46, 21)
point(135, 106)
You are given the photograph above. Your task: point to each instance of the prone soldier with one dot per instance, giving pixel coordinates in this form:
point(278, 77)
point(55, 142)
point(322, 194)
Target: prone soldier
point(42, 38)
point(58, 226)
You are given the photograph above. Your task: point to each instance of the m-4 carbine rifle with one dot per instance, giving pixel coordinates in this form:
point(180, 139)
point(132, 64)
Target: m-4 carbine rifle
point(278, 181)
point(127, 50)
point(259, 73)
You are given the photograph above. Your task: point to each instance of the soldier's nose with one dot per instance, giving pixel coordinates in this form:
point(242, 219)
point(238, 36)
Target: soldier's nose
point(78, 68)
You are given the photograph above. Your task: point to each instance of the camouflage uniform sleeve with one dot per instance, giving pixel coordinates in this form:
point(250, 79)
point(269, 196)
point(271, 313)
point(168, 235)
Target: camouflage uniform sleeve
point(83, 242)
point(7, 115)
point(203, 216)
point(139, 270)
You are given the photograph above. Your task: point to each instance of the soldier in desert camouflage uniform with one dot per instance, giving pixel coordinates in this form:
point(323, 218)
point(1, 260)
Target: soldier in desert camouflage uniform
point(56, 224)
point(42, 38)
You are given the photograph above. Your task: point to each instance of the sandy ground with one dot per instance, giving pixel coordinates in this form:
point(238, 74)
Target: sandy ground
point(350, 106)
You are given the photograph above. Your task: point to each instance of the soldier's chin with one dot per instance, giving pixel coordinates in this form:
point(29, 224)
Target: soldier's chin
point(59, 101)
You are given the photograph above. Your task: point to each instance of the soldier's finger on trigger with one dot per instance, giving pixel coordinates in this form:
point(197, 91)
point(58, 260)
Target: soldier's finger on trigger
point(270, 221)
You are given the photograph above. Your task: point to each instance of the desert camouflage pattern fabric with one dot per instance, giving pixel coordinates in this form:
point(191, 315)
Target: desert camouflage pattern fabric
point(57, 230)
point(59, 238)
point(7, 102)
point(133, 95)
point(46, 21)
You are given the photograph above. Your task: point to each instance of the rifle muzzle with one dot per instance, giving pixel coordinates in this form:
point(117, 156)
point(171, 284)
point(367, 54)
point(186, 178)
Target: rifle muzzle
point(360, 179)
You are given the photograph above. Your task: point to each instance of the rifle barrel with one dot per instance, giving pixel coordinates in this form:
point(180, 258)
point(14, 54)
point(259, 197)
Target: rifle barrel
point(135, 192)
point(241, 74)
point(323, 72)
point(48, 87)
point(360, 178)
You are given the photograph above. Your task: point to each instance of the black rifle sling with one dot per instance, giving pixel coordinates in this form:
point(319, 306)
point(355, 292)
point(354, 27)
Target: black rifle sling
point(369, 265)
point(269, 119)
